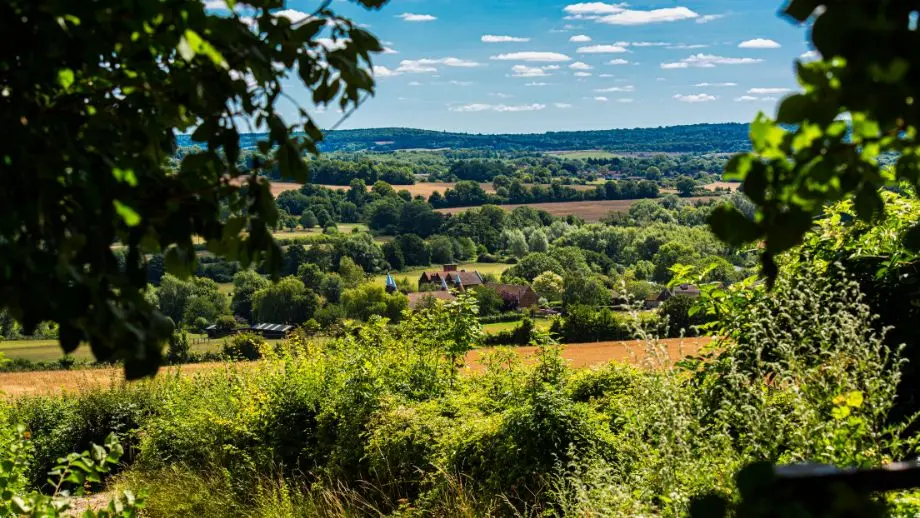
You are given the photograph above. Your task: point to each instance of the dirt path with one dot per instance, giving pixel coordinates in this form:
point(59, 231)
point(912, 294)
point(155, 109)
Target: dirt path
point(635, 352)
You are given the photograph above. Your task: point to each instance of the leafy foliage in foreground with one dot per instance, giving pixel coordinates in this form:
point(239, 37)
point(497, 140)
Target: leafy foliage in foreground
point(93, 95)
point(378, 421)
point(857, 103)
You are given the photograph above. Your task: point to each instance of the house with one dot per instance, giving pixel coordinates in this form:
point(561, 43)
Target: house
point(272, 331)
point(687, 290)
point(449, 275)
point(516, 296)
point(425, 298)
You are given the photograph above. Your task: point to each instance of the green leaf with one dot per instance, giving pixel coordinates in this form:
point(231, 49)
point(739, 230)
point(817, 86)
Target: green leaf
point(854, 399)
point(65, 78)
point(732, 226)
point(793, 109)
point(128, 215)
point(125, 176)
point(290, 163)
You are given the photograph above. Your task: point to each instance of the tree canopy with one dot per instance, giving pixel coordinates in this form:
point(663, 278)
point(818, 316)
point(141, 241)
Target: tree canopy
point(94, 94)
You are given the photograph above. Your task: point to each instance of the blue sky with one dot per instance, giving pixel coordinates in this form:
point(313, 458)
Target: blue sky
point(493, 66)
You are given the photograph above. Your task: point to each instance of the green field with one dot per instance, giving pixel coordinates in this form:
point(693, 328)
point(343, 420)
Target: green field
point(50, 350)
point(584, 155)
point(344, 228)
point(413, 275)
point(498, 327)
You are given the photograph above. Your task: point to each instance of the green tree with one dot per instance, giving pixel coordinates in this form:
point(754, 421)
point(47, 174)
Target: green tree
point(94, 96)
point(351, 273)
point(587, 290)
point(371, 299)
point(308, 219)
point(533, 265)
point(442, 249)
point(172, 295)
point(515, 242)
point(489, 300)
point(414, 249)
point(685, 186)
point(653, 173)
point(394, 256)
point(537, 241)
point(286, 302)
point(549, 285)
point(245, 283)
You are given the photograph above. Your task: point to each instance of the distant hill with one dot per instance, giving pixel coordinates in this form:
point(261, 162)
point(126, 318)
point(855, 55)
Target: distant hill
point(696, 138)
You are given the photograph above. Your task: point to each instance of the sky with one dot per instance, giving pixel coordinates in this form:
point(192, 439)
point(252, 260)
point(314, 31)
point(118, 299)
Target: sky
point(530, 66)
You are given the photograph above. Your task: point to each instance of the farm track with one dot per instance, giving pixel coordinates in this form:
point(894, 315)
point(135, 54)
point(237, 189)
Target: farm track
point(634, 352)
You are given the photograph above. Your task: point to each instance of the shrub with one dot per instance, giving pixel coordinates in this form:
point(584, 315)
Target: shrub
point(244, 346)
point(178, 349)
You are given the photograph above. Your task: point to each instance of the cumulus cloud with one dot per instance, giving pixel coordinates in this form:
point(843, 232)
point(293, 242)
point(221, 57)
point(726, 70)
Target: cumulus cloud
point(424, 66)
point(411, 17)
point(625, 100)
point(580, 38)
point(536, 83)
point(601, 99)
point(709, 61)
point(768, 91)
point(460, 83)
point(388, 50)
point(695, 98)
point(546, 57)
point(685, 46)
point(627, 88)
point(562, 105)
point(631, 17)
point(526, 71)
point(601, 49)
point(605, 75)
point(578, 65)
point(759, 43)
point(582, 74)
point(746, 98)
point(618, 61)
point(706, 18)
point(550, 67)
point(702, 85)
point(645, 43)
point(594, 8)
point(381, 72)
point(482, 107)
point(811, 55)
point(501, 95)
point(491, 38)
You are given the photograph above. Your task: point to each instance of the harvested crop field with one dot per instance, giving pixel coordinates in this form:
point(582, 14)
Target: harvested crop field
point(635, 352)
point(590, 211)
point(426, 188)
point(732, 186)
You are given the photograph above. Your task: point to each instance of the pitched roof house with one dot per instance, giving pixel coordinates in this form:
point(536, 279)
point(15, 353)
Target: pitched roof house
point(449, 275)
point(516, 296)
point(687, 290)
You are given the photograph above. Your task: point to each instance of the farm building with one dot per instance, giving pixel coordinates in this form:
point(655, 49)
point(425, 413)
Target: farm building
point(449, 275)
point(270, 331)
point(687, 290)
point(515, 296)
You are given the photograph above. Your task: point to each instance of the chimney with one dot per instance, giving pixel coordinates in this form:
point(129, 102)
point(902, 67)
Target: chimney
point(450, 267)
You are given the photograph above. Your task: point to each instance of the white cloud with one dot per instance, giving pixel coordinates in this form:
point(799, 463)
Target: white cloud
point(695, 98)
point(582, 74)
point(526, 71)
point(811, 55)
point(625, 100)
point(410, 17)
point(605, 75)
point(216, 5)
point(601, 49)
point(759, 43)
point(746, 98)
point(647, 44)
point(490, 38)
point(685, 46)
point(706, 18)
point(550, 67)
point(460, 83)
point(594, 8)
point(388, 50)
point(331, 44)
point(481, 107)
point(427, 65)
point(581, 38)
point(630, 17)
point(501, 95)
point(601, 99)
point(535, 83)
point(768, 91)
point(562, 105)
point(618, 61)
point(381, 72)
point(546, 57)
point(414, 83)
point(703, 85)
point(627, 88)
point(578, 65)
point(709, 61)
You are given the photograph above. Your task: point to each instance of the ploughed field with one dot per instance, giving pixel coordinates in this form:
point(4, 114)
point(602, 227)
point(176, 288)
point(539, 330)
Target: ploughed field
point(590, 211)
point(651, 355)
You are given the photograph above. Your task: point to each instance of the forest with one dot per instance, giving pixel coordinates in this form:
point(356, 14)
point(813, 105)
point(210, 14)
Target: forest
point(225, 329)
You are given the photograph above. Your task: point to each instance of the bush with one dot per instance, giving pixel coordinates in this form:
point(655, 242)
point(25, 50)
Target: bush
point(178, 349)
point(244, 346)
